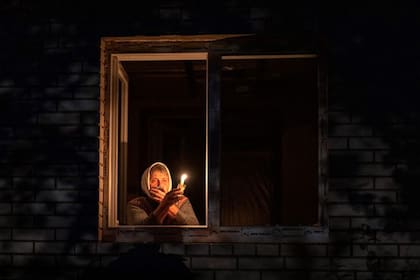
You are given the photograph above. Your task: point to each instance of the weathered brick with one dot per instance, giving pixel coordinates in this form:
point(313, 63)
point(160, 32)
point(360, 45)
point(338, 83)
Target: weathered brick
point(75, 261)
point(90, 131)
point(5, 234)
point(197, 249)
point(350, 263)
point(220, 249)
point(86, 93)
point(307, 263)
point(78, 79)
point(5, 208)
point(5, 260)
point(260, 263)
point(244, 249)
point(16, 221)
point(276, 275)
point(339, 117)
point(17, 196)
point(57, 196)
point(339, 223)
point(5, 183)
point(35, 208)
point(386, 183)
point(77, 105)
point(107, 260)
point(203, 274)
point(336, 143)
point(59, 118)
point(372, 223)
point(350, 130)
point(303, 250)
point(322, 275)
point(38, 183)
point(87, 118)
point(33, 234)
point(76, 208)
point(62, 170)
point(351, 183)
point(16, 247)
point(380, 275)
point(83, 233)
point(77, 182)
point(369, 143)
point(339, 249)
point(358, 210)
point(88, 196)
point(56, 221)
point(245, 275)
point(385, 157)
point(268, 249)
point(410, 250)
point(32, 260)
point(173, 248)
point(213, 263)
point(364, 250)
point(54, 247)
point(355, 156)
point(85, 248)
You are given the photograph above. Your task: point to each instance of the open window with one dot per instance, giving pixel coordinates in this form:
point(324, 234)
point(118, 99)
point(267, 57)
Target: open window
point(243, 119)
point(269, 140)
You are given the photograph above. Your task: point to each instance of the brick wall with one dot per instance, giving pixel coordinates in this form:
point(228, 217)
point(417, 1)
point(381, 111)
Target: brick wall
point(49, 89)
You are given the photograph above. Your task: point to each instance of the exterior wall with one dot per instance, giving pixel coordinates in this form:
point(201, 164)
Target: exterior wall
point(49, 91)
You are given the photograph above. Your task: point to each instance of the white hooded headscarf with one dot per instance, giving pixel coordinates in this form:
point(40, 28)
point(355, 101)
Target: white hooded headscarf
point(145, 178)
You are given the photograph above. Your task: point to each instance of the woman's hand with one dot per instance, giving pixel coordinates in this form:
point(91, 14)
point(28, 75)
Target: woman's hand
point(157, 194)
point(171, 197)
point(167, 202)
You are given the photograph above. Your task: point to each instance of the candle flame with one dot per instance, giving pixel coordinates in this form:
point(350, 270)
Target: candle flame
point(183, 177)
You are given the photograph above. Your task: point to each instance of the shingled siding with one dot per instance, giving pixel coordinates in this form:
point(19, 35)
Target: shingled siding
point(49, 90)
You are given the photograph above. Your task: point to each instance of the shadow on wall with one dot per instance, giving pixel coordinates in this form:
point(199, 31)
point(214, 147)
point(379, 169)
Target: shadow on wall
point(142, 262)
point(374, 101)
point(48, 127)
point(49, 89)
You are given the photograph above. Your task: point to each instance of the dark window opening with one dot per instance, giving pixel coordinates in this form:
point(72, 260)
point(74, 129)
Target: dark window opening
point(167, 123)
point(269, 142)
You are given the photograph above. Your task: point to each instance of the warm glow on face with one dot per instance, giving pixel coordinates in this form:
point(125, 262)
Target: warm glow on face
point(183, 177)
point(160, 180)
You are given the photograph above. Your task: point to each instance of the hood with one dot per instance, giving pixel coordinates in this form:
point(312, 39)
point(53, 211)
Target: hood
point(146, 177)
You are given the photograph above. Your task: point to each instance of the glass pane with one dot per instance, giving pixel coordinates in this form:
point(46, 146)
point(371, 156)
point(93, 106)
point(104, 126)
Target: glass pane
point(269, 142)
point(167, 123)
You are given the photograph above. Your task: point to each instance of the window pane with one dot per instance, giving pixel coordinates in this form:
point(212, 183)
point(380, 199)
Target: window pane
point(269, 142)
point(167, 123)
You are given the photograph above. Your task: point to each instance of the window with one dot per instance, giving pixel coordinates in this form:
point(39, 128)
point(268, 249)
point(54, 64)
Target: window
point(245, 123)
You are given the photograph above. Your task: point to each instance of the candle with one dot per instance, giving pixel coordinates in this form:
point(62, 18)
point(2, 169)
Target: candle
point(183, 177)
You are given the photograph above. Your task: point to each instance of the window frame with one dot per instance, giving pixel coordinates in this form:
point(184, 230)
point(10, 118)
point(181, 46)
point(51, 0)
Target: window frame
point(216, 48)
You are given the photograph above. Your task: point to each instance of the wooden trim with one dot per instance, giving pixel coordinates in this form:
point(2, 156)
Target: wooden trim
point(279, 56)
point(198, 48)
point(160, 56)
point(175, 38)
point(213, 92)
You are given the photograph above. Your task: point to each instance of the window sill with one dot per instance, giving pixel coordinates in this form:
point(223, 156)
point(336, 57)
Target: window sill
point(198, 234)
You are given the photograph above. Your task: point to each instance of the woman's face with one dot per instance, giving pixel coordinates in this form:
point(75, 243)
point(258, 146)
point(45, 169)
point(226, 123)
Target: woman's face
point(159, 179)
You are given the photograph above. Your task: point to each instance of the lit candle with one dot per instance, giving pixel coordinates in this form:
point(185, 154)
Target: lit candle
point(183, 177)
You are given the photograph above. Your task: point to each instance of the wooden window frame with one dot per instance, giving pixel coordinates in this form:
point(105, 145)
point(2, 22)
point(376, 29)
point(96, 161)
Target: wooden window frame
point(166, 48)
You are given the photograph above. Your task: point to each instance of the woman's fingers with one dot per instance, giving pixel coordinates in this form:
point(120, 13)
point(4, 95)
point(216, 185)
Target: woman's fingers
point(157, 194)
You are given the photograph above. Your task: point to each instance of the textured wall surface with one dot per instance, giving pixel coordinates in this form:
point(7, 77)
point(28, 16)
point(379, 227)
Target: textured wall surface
point(49, 90)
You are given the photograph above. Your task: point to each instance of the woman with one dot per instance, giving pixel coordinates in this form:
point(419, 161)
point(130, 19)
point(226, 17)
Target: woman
point(161, 205)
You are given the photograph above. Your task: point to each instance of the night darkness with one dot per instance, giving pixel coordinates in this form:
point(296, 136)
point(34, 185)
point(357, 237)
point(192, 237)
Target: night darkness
point(49, 115)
